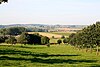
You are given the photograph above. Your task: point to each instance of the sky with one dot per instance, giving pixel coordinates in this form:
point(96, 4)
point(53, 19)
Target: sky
point(64, 12)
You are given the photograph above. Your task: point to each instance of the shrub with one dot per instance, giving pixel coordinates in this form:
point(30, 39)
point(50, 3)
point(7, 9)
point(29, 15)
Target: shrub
point(59, 41)
point(63, 37)
point(11, 40)
point(66, 40)
point(44, 40)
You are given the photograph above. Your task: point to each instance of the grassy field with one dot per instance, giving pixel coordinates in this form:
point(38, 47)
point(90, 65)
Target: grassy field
point(43, 56)
point(63, 33)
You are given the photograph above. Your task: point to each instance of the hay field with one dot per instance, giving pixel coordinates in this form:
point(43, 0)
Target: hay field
point(47, 34)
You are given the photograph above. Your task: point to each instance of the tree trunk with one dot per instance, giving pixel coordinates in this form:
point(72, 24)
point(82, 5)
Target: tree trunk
point(97, 52)
point(90, 49)
point(86, 49)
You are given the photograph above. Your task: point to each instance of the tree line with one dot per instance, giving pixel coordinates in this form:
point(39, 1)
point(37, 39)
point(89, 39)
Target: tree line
point(15, 35)
point(25, 38)
point(88, 37)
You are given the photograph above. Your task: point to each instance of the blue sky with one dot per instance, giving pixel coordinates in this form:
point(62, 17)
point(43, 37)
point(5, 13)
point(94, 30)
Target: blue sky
point(63, 12)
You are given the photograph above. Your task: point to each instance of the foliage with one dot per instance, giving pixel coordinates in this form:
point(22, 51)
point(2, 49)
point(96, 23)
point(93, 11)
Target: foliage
point(36, 30)
point(53, 37)
point(66, 40)
point(59, 41)
point(87, 37)
point(44, 40)
point(3, 1)
point(26, 38)
point(2, 39)
point(34, 39)
point(62, 36)
point(11, 40)
point(23, 39)
point(12, 30)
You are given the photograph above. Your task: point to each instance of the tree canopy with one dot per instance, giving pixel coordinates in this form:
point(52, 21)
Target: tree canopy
point(3, 1)
point(12, 30)
point(87, 37)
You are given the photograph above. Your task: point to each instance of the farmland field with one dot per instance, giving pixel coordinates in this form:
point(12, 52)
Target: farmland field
point(63, 33)
point(47, 34)
point(43, 56)
point(55, 34)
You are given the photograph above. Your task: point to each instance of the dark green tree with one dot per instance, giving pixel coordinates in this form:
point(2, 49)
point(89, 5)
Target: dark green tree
point(15, 30)
point(63, 37)
point(59, 41)
point(66, 40)
point(88, 37)
point(3, 32)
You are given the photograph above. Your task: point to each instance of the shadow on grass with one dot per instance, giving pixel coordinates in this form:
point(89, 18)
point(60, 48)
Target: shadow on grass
point(40, 60)
point(95, 65)
point(28, 53)
point(30, 47)
point(24, 46)
point(48, 61)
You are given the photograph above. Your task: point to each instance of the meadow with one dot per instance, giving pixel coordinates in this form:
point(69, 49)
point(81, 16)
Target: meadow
point(43, 56)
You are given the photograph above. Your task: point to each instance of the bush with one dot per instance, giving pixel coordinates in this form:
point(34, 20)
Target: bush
point(11, 40)
point(53, 37)
point(59, 41)
point(26, 38)
point(23, 39)
point(44, 40)
point(65, 40)
point(2, 39)
point(63, 37)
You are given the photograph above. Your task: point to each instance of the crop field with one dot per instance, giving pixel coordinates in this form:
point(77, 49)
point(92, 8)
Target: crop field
point(47, 34)
point(43, 56)
point(55, 34)
point(63, 33)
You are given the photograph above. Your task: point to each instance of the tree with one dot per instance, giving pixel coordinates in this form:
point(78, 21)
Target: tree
point(3, 1)
point(53, 37)
point(63, 37)
point(11, 40)
point(88, 37)
point(2, 39)
point(71, 35)
point(15, 30)
point(72, 39)
point(23, 39)
point(34, 39)
point(66, 40)
point(3, 32)
point(59, 41)
point(44, 40)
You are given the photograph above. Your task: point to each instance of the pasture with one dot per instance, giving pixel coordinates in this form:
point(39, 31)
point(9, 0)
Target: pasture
point(43, 56)
point(63, 33)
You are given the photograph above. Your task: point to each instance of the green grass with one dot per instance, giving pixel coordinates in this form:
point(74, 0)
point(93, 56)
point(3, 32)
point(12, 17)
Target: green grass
point(43, 56)
point(62, 33)
point(52, 40)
